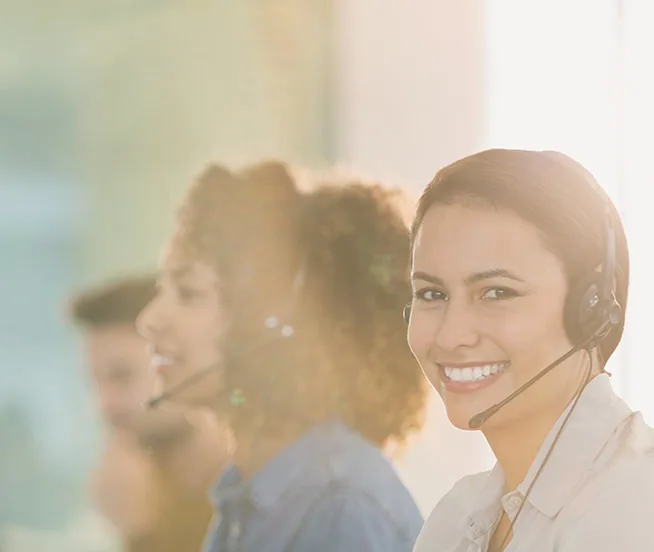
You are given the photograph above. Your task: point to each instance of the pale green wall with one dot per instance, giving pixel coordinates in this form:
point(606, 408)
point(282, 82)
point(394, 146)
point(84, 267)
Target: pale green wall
point(169, 88)
point(107, 108)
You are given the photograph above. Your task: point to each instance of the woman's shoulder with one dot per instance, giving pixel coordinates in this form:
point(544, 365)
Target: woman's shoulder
point(354, 475)
point(628, 474)
point(447, 519)
point(628, 465)
point(615, 505)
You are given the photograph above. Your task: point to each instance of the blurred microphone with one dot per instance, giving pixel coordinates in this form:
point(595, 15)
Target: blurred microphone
point(181, 386)
point(282, 332)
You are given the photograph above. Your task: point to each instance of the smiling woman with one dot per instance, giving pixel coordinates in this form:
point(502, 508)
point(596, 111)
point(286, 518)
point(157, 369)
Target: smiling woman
point(501, 285)
point(520, 273)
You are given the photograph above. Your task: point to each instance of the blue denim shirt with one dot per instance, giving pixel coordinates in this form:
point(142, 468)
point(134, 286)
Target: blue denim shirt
point(329, 491)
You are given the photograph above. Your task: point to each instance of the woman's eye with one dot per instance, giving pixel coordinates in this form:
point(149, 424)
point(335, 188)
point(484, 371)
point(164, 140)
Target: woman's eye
point(497, 293)
point(430, 295)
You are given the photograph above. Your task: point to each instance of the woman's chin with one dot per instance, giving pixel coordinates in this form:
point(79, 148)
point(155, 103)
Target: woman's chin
point(462, 407)
point(461, 422)
point(460, 415)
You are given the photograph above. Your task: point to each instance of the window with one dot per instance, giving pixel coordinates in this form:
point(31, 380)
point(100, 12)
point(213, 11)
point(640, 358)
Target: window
point(552, 82)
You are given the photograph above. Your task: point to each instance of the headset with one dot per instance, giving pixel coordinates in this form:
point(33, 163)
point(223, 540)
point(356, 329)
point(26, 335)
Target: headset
point(277, 328)
point(591, 309)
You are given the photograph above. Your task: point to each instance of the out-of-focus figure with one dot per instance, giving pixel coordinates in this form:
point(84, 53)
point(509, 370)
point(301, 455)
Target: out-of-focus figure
point(281, 309)
point(115, 356)
point(141, 483)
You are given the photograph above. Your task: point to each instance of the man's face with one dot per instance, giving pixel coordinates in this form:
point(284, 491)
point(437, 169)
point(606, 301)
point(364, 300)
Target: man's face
point(117, 360)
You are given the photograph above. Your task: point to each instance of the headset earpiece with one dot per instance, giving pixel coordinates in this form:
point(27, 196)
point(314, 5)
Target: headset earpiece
point(592, 309)
point(406, 313)
point(583, 316)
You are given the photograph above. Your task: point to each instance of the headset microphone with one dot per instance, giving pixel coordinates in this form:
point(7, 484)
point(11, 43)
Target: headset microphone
point(613, 316)
point(479, 419)
point(271, 323)
point(181, 386)
point(281, 330)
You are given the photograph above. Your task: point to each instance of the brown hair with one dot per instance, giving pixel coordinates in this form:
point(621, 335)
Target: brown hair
point(348, 246)
point(554, 193)
point(118, 301)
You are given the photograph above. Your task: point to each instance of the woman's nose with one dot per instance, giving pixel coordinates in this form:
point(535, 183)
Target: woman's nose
point(457, 327)
point(150, 319)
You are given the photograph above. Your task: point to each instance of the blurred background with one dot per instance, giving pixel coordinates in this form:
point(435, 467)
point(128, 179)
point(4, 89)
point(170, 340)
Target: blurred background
point(107, 109)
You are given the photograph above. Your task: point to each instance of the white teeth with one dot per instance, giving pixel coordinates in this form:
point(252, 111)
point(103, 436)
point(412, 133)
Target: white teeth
point(473, 374)
point(160, 360)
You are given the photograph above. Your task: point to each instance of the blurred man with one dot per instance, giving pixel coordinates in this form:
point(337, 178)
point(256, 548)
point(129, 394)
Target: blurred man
point(157, 465)
point(115, 354)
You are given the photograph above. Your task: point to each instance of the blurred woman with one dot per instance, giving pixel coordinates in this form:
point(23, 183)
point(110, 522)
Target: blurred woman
point(281, 310)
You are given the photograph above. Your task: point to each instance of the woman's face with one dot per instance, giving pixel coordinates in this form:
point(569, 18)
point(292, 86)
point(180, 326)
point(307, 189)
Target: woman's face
point(488, 314)
point(183, 325)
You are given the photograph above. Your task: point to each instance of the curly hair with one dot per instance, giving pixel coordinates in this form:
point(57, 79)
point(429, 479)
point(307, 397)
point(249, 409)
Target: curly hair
point(348, 245)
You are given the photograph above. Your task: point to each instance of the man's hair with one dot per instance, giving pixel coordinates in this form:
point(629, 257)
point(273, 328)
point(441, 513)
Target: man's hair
point(116, 302)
